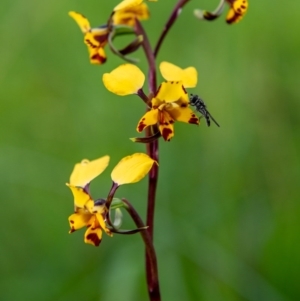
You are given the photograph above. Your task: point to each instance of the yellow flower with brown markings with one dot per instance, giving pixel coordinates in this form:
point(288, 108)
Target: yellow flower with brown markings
point(92, 213)
point(170, 102)
point(128, 4)
point(127, 16)
point(87, 212)
point(96, 38)
point(237, 10)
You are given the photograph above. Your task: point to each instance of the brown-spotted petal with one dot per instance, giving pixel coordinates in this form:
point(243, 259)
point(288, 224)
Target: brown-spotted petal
point(79, 220)
point(166, 125)
point(93, 234)
point(150, 118)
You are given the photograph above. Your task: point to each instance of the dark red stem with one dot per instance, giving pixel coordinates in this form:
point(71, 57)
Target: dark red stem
point(152, 151)
point(153, 286)
point(109, 199)
point(149, 55)
point(152, 147)
point(173, 17)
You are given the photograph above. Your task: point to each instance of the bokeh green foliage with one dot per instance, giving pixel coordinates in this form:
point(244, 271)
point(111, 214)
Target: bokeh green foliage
point(227, 213)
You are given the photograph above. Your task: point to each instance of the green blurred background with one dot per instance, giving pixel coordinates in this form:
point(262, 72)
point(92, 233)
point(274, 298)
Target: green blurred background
point(227, 214)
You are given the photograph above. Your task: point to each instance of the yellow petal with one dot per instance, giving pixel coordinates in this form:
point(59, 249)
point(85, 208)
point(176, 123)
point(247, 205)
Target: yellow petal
point(85, 171)
point(132, 169)
point(171, 72)
point(124, 80)
point(166, 127)
point(127, 16)
point(155, 102)
point(102, 224)
point(81, 20)
point(150, 118)
point(93, 234)
point(127, 4)
point(81, 198)
point(237, 11)
point(95, 41)
point(183, 100)
point(78, 221)
point(99, 208)
point(183, 113)
point(97, 55)
point(240, 6)
point(171, 91)
point(97, 37)
point(189, 77)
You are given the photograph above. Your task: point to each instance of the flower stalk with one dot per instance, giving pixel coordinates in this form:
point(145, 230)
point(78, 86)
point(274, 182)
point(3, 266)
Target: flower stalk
point(149, 55)
point(153, 283)
point(153, 147)
point(173, 17)
point(152, 151)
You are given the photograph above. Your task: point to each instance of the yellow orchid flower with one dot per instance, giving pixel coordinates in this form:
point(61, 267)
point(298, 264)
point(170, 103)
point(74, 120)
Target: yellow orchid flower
point(95, 223)
point(96, 38)
point(166, 110)
point(127, 16)
point(236, 12)
point(90, 213)
point(128, 4)
point(169, 104)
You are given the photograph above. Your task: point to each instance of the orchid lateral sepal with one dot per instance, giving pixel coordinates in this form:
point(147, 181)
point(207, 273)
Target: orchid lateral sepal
point(120, 30)
point(130, 209)
point(134, 231)
point(116, 204)
point(147, 139)
point(131, 47)
point(117, 52)
point(118, 218)
point(210, 16)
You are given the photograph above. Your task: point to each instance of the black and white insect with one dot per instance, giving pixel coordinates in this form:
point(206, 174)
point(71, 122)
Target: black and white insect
point(200, 106)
